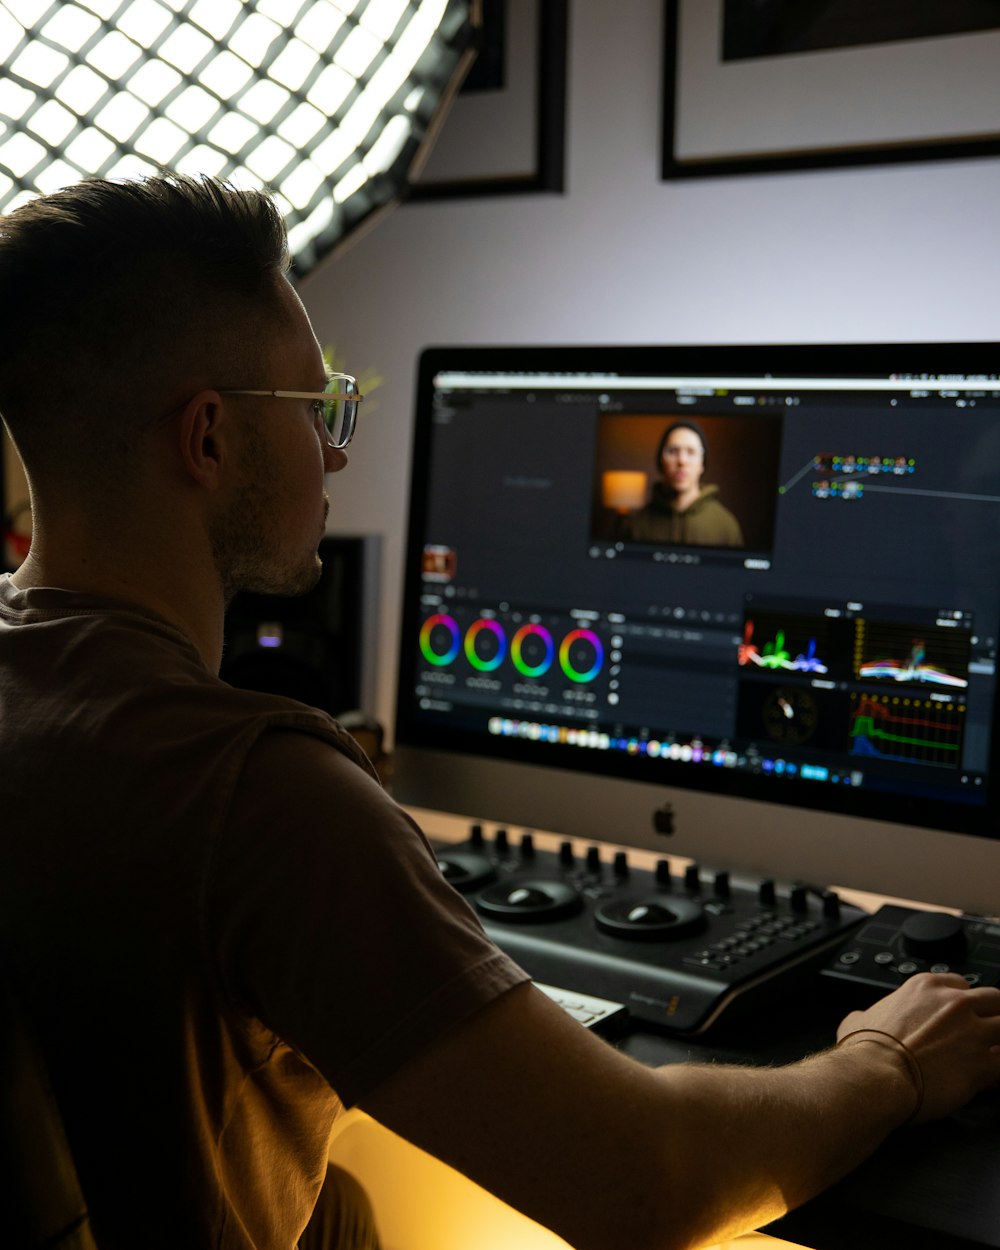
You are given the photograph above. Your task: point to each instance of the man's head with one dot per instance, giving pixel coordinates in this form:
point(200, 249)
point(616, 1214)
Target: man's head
point(145, 326)
point(681, 457)
point(119, 300)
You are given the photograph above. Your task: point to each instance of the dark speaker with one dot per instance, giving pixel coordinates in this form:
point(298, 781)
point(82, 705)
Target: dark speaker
point(318, 648)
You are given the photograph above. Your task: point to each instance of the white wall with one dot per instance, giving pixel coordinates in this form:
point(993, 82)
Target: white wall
point(903, 252)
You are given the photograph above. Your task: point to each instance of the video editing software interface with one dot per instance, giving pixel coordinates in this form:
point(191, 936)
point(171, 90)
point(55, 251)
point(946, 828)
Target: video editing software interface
point(806, 611)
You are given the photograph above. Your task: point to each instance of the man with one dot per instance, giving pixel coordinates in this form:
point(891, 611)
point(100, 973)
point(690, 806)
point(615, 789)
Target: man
point(682, 510)
point(220, 927)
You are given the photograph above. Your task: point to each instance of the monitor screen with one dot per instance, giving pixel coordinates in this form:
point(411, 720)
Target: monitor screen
point(737, 603)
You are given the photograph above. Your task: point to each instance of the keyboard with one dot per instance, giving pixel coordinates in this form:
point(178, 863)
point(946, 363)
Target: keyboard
point(602, 1015)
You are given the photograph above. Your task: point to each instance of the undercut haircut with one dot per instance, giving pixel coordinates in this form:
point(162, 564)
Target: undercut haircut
point(114, 296)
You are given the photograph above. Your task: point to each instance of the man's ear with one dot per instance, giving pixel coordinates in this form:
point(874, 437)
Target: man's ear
point(202, 434)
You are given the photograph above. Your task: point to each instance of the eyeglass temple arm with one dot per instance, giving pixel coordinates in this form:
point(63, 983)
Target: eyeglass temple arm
point(299, 394)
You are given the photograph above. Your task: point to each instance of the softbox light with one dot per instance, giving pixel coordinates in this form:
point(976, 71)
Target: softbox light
point(327, 104)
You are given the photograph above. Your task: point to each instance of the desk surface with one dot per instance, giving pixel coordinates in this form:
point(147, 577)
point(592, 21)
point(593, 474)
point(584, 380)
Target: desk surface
point(934, 1187)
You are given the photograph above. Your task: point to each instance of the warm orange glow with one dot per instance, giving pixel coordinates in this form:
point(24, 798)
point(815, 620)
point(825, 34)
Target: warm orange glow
point(422, 1204)
point(754, 1241)
point(623, 490)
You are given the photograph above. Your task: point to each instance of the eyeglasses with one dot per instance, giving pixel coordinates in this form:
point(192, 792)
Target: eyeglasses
point(336, 407)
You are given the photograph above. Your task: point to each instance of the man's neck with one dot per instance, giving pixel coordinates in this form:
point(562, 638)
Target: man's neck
point(170, 590)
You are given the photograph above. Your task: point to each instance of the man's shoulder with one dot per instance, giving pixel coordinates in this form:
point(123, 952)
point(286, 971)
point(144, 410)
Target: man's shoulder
point(293, 741)
point(131, 678)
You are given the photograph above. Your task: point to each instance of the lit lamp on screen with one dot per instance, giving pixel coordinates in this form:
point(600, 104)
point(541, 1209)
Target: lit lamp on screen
point(624, 490)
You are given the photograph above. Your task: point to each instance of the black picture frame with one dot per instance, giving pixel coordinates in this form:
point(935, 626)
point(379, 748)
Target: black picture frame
point(454, 168)
point(781, 112)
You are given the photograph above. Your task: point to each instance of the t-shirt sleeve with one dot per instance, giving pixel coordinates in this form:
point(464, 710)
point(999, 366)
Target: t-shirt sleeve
point(331, 923)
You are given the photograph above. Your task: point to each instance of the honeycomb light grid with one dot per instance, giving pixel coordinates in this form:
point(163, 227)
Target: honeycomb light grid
point(319, 101)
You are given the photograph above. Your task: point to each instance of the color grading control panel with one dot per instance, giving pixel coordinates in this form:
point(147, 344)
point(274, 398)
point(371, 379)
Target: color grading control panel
point(520, 666)
point(676, 950)
point(898, 942)
point(531, 647)
point(834, 693)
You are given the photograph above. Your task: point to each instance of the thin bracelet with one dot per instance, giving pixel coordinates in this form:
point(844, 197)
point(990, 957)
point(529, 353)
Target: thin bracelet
point(916, 1074)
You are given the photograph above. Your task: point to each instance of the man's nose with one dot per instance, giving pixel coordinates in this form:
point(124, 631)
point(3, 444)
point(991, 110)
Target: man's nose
point(334, 459)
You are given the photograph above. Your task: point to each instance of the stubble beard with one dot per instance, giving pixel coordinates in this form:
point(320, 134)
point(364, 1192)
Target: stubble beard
point(246, 544)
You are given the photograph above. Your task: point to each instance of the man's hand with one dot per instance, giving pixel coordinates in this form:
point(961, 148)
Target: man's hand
point(951, 1031)
point(608, 1152)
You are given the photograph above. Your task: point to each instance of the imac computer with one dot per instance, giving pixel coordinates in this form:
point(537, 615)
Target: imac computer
point(734, 603)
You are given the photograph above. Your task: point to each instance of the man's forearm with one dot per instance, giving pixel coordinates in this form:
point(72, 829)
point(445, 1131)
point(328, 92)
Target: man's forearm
point(609, 1153)
point(748, 1144)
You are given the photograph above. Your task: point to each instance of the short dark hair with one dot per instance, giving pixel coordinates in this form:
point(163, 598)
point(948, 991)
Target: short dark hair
point(682, 425)
point(106, 284)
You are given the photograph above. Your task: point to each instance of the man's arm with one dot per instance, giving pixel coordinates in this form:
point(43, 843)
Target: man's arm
point(608, 1153)
point(335, 926)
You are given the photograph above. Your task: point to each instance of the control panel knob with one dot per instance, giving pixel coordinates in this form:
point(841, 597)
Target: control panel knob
point(721, 884)
point(663, 879)
point(594, 860)
point(798, 898)
point(692, 878)
point(527, 846)
point(620, 866)
point(465, 870)
point(652, 919)
point(476, 835)
point(566, 854)
point(933, 935)
point(529, 902)
point(501, 842)
point(831, 905)
point(767, 895)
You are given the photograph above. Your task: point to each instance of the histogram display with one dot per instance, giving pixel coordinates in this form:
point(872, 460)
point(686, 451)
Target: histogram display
point(912, 730)
point(895, 653)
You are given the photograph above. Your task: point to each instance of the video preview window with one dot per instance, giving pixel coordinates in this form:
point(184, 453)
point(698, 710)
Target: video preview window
point(678, 480)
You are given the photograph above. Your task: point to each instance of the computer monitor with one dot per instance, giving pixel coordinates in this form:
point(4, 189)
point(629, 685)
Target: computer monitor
point(737, 603)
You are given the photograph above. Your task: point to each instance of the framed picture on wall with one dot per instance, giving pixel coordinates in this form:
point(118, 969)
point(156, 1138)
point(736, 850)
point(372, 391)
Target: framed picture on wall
point(763, 85)
point(505, 130)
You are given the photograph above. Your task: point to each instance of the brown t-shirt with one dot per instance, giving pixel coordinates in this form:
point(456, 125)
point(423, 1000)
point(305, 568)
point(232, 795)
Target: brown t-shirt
point(214, 967)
